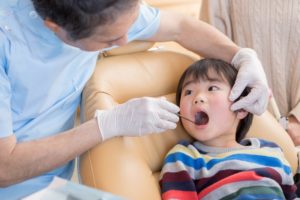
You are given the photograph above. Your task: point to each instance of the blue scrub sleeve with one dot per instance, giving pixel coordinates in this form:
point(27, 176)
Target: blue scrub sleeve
point(146, 25)
point(5, 91)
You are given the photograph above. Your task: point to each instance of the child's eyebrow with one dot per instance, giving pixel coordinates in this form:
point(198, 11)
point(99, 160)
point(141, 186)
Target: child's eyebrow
point(210, 79)
point(215, 79)
point(187, 83)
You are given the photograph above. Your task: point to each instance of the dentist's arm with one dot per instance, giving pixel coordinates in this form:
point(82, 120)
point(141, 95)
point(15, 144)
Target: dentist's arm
point(195, 35)
point(137, 117)
point(21, 161)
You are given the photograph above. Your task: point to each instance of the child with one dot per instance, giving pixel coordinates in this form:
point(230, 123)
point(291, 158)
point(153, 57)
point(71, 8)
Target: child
point(220, 164)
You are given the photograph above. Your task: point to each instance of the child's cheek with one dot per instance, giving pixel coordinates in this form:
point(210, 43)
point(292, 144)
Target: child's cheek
point(221, 103)
point(183, 108)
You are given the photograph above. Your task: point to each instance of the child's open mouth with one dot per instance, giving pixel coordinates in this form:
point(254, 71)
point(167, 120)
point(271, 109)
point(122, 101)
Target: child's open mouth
point(201, 118)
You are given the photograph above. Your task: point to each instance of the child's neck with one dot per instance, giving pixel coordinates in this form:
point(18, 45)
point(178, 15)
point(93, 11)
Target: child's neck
point(212, 150)
point(222, 144)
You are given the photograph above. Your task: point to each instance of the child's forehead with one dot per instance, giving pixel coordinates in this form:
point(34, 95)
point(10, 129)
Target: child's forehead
point(210, 75)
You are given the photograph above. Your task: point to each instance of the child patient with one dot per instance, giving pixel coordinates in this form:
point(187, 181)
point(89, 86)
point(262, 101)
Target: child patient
point(220, 164)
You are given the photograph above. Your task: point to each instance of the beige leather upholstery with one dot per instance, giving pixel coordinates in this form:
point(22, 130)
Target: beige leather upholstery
point(129, 166)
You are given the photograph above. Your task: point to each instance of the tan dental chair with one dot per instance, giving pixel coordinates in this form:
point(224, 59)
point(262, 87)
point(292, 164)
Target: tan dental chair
point(130, 166)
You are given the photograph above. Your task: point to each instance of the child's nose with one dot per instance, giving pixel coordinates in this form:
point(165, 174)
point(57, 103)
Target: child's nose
point(199, 100)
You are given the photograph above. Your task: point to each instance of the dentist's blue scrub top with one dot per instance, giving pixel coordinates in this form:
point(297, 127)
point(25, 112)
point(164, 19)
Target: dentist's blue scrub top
point(41, 80)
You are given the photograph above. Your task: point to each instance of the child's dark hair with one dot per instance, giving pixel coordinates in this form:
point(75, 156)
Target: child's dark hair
point(80, 17)
point(199, 70)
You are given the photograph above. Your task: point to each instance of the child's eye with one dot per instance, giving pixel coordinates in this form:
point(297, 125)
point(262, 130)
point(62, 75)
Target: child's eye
point(213, 88)
point(187, 92)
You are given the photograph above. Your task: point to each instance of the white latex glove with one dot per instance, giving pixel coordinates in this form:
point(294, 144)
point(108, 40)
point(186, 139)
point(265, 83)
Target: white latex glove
point(137, 117)
point(250, 74)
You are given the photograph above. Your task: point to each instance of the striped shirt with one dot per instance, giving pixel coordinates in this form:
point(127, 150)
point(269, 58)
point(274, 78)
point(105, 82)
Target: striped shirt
point(256, 171)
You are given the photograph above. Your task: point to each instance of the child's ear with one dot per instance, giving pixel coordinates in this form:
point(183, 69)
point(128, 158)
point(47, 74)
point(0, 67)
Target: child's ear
point(241, 114)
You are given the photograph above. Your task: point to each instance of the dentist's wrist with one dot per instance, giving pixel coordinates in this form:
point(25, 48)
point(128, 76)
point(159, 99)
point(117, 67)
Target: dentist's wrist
point(284, 122)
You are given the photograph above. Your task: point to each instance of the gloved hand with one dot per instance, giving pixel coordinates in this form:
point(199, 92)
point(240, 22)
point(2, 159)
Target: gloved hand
point(137, 117)
point(250, 74)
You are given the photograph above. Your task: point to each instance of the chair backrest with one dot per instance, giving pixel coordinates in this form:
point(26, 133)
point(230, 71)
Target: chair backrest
point(130, 166)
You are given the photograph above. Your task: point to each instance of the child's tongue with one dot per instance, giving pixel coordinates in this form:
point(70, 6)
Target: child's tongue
point(201, 118)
